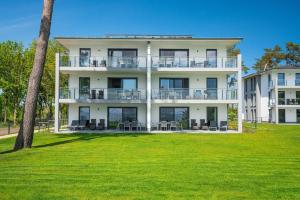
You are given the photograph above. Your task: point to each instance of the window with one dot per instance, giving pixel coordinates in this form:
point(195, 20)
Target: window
point(124, 83)
point(123, 58)
point(84, 57)
point(121, 114)
point(84, 113)
point(297, 79)
point(84, 87)
point(298, 115)
point(173, 57)
point(211, 57)
point(281, 97)
point(281, 79)
point(167, 83)
point(178, 114)
point(212, 114)
point(212, 88)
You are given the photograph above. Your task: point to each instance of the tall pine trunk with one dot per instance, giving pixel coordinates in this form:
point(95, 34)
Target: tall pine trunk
point(25, 135)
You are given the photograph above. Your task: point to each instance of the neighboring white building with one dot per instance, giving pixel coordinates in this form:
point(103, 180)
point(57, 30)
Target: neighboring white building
point(273, 95)
point(149, 79)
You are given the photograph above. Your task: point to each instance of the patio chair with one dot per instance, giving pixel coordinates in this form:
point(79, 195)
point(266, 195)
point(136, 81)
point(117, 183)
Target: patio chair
point(203, 125)
point(223, 126)
point(173, 124)
point(163, 125)
point(93, 94)
point(93, 124)
point(194, 125)
point(134, 125)
point(83, 124)
point(127, 125)
point(213, 126)
point(101, 124)
point(74, 125)
point(100, 94)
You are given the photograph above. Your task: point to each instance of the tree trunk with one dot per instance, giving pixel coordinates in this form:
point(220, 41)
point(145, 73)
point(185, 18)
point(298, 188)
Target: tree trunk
point(27, 126)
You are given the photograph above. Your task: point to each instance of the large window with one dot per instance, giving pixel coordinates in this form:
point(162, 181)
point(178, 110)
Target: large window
point(122, 88)
point(178, 114)
point(84, 87)
point(281, 79)
point(297, 79)
point(281, 97)
point(212, 114)
point(121, 114)
point(171, 83)
point(84, 57)
point(173, 57)
point(212, 88)
point(84, 113)
point(123, 58)
point(211, 57)
point(298, 115)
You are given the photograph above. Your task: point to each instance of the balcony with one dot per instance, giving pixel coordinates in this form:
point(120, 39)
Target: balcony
point(194, 94)
point(193, 62)
point(288, 83)
point(283, 101)
point(103, 94)
point(103, 62)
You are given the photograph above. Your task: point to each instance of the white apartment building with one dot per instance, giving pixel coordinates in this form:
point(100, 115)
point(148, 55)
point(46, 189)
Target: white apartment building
point(149, 80)
point(273, 95)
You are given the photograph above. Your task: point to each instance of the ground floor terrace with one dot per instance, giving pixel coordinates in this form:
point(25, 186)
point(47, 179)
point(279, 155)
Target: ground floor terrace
point(164, 117)
point(285, 114)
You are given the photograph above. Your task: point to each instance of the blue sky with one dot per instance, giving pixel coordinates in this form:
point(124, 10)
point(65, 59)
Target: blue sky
point(262, 24)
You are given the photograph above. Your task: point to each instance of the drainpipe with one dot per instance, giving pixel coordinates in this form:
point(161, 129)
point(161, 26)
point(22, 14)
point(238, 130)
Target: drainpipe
point(148, 86)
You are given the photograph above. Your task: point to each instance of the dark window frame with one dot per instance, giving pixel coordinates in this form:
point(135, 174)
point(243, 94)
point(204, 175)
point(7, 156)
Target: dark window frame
point(136, 112)
point(84, 107)
point(216, 50)
point(80, 54)
point(217, 120)
point(174, 107)
point(136, 80)
point(121, 49)
point(188, 81)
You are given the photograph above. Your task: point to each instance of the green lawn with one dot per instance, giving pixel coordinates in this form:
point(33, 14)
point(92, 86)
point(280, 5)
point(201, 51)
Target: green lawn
point(264, 164)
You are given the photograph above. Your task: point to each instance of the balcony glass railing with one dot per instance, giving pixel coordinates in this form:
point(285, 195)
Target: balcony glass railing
point(193, 62)
point(103, 93)
point(200, 94)
point(295, 82)
point(283, 101)
point(110, 62)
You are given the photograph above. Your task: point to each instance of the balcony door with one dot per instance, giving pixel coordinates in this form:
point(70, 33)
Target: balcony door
point(281, 79)
point(211, 57)
point(297, 79)
point(178, 114)
point(84, 57)
point(84, 113)
point(298, 115)
point(212, 88)
point(173, 57)
point(281, 97)
point(122, 88)
point(212, 114)
point(120, 115)
point(281, 115)
point(84, 87)
point(122, 58)
point(174, 88)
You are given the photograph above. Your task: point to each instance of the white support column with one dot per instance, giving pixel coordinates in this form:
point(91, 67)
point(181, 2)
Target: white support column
point(148, 86)
point(276, 101)
point(240, 98)
point(56, 113)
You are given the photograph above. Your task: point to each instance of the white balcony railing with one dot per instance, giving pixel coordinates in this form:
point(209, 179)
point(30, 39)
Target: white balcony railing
point(102, 93)
point(197, 94)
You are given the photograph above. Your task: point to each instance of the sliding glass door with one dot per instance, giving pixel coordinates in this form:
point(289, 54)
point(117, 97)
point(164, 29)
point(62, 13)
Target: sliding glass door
point(173, 57)
point(122, 88)
point(123, 58)
point(281, 115)
point(211, 57)
point(178, 114)
point(174, 88)
point(121, 114)
point(212, 114)
point(84, 87)
point(298, 115)
point(84, 57)
point(212, 88)
point(84, 113)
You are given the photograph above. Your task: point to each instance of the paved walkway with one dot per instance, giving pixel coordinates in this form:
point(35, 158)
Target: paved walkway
point(8, 136)
point(4, 131)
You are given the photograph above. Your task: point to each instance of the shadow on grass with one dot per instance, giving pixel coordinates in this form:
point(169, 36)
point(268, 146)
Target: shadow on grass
point(80, 137)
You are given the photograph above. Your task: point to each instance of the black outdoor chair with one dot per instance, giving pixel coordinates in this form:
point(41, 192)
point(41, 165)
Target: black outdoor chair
point(194, 125)
point(74, 125)
point(100, 94)
point(223, 126)
point(93, 94)
point(101, 124)
point(93, 124)
point(213, 126)
point(203, 125)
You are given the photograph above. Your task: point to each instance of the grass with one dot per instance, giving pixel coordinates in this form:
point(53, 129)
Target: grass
point(264, 164)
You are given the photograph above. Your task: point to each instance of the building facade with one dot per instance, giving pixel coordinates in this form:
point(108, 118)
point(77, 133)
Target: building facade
point(148, 79)
point(273, 95)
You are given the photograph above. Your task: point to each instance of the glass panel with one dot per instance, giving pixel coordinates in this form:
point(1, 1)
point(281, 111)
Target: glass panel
point(84, 87)
point(281, 113)
point(124, 58)
point(173, 58)
point(166, 114)
point(281, 79)
point(129, 84)
point(129, 114)
point(211, 56)
point(297, 79)
point(114, 117)
point(84, 57)
point(281, 97)
point(164, 83)
point(298, 115)
point(298, 94)
point(84, 113)
point(182, 117)
point(211, 113)
point(211, 88)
